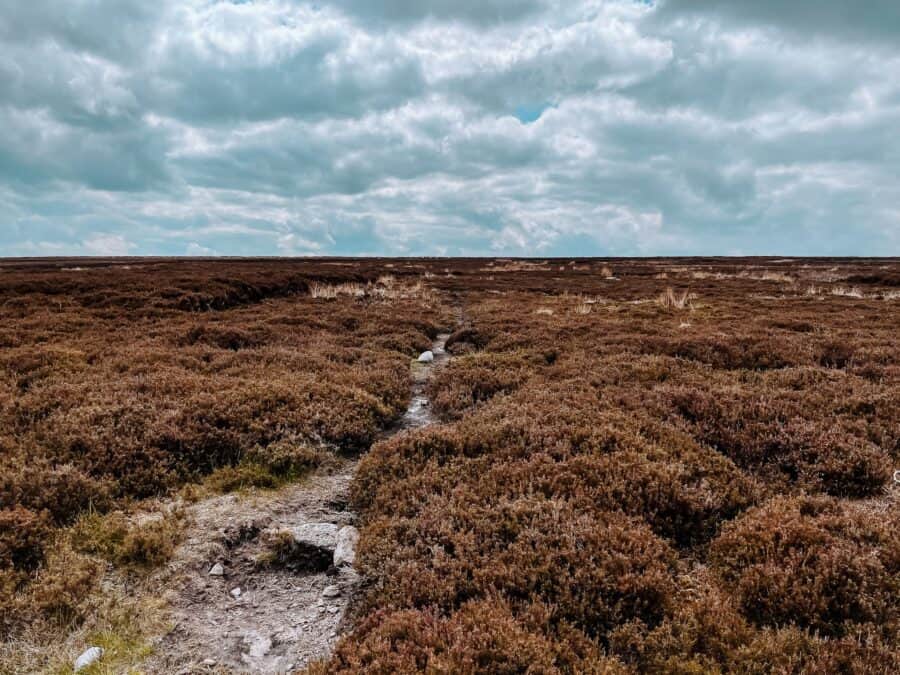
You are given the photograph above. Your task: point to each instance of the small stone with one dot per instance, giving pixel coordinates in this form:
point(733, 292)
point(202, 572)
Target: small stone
point(331, 592)
point(236, 592)
point(345, 549)
point(334, 610)
point(217, 570)
point(260, 645)
point(88, 657)
point(426, 357)
point(209, 662)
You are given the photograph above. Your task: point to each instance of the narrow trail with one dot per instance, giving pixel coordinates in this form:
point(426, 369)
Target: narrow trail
point(280, 619)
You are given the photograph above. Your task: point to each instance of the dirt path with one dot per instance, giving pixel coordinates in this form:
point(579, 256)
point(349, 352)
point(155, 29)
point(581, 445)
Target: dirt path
point(279, 619)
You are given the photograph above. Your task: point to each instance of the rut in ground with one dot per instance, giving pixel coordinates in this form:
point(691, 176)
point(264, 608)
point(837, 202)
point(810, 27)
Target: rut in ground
point(280, 619)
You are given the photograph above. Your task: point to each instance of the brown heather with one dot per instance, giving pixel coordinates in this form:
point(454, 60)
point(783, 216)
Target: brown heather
point(124, 382)
point(683, 469)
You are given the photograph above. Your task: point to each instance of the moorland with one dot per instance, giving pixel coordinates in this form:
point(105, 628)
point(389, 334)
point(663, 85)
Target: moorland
point(653, 465)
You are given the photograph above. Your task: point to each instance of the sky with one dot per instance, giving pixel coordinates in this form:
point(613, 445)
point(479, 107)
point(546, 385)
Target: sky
point(449, 127)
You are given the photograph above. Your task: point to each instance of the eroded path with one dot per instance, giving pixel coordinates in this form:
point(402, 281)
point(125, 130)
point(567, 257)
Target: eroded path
point(266, 619)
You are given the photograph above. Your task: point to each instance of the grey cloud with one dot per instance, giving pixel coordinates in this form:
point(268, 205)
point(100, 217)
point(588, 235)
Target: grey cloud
point(115, 29)
point(472, 11)
point(348, 127)
point(872, 20)
point(224, 64)
point(37, 149)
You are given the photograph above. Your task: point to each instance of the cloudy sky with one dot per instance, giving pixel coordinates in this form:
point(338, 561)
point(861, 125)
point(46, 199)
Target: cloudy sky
point(449, 127)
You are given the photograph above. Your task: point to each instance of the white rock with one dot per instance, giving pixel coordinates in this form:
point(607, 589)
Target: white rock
point(331, 592)
point(260, 645)
point(236, 592)
point(426, 357)
point(89, 657)
point(345, 550)
point(217, 570)
point(320, 535)
point(209, 662)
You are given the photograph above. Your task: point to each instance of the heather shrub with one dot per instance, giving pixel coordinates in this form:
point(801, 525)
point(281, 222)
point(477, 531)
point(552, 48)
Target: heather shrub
point(224, 338)
point(482, 637)
point(109, 441)
point(838, 463)
point(836, 354)
point(465, 340)
point(765, 434)
point(62, 491)
point(791, 650)
point(815, 562)
point(61, 591)
point(700, 635)
point(747, 353)
point(599, 461)
point(596, 571)
point(23, 534)
point(476, 378)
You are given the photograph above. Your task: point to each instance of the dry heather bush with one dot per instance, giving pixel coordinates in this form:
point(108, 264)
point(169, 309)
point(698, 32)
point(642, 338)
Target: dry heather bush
point(734, 353)
point(465, 340)
point(585, 511)
point(112, 388)
point(596, 571)
point(22, 537)
point(598, 461)
point(815, 562)
point(483, 637)
point(59, 593)
point(475, 378)
point(63, 491)
point(770, 436)
point(678, 432)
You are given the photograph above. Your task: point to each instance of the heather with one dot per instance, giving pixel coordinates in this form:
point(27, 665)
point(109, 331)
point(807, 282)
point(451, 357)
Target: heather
point(644, 480)
point(124, 383)
point(680, 465)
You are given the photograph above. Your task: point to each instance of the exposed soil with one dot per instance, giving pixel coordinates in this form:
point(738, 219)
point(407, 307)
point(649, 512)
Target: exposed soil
point(281, 619)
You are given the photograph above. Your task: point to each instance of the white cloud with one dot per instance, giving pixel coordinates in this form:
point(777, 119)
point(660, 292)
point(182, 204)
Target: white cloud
point(532, 126)
point(107, 245)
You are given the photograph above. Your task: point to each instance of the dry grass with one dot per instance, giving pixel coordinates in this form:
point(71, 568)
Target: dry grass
point(669, 299)
point(386, 287)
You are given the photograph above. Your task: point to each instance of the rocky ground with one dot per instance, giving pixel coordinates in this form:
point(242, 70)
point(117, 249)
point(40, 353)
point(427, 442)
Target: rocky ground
point(232, 611)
